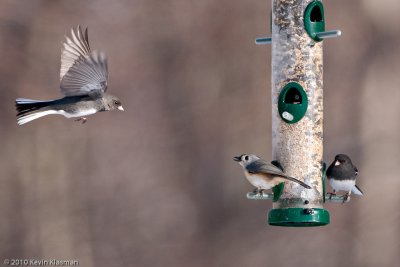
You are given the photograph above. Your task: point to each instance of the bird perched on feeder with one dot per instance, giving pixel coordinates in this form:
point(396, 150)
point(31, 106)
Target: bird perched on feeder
point(262, 174)
point(83, 78)
point(342, 176)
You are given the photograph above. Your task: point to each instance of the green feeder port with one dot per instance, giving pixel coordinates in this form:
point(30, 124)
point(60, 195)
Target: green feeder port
point(278, 190)
point(292, 103)
point(314, 22)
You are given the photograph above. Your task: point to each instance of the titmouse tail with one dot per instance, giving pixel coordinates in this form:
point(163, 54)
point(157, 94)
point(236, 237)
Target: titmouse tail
point(296, 181)
point(28, 109)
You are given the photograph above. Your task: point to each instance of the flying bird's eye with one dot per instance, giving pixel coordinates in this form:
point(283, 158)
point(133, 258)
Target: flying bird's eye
point(246, 157)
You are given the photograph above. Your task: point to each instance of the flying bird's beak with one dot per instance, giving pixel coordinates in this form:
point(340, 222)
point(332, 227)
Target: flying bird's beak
point(237, 158)
point(121, 108)
point(337, 163)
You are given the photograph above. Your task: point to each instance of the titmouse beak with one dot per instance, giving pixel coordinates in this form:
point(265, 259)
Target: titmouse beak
point(121, 108)
point(337, 163)
point(237, 158)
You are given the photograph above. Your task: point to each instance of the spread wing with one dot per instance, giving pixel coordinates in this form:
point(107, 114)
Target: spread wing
point(82, 72)
point(260, 166)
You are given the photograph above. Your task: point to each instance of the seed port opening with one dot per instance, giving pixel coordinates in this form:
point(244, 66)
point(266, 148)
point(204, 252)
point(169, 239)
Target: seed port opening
point(292, 102)
point(293, 96)
point(316, 14)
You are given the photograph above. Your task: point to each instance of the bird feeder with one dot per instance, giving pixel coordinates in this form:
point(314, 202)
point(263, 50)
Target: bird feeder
point(298, 29)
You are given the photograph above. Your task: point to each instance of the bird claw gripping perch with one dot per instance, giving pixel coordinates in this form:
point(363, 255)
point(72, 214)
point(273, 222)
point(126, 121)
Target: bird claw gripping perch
point(261, 195)
point(335, 198)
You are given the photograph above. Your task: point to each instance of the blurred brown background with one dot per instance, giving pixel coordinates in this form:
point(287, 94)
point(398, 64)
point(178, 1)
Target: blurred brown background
point(156, 184)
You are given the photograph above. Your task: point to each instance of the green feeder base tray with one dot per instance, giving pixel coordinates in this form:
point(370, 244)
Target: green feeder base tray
point(298, 217)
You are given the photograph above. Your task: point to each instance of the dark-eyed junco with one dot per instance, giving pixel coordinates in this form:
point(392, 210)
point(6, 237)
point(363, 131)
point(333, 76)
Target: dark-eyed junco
point(262, 174)
point(83, 78)
point(342, 176)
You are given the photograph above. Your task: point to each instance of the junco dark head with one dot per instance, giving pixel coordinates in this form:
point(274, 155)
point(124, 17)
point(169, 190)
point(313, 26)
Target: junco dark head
point(262, 174)
point(342, 176)
point(83, 78)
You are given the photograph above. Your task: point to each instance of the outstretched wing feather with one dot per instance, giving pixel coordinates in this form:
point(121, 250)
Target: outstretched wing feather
point(82, 72)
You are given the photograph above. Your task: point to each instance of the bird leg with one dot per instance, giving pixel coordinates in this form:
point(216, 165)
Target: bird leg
point(332, 194)
point(346, 197)
point(83, 119)
point(258, 191)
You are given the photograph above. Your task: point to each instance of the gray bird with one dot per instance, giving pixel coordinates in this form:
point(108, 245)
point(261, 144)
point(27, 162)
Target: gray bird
point(83, 78)
point(342, 176)
point(262, 174)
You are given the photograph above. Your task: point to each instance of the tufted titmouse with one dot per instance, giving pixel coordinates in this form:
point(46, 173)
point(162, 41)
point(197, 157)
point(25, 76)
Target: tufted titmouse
point(342, 176)
point(263, 175)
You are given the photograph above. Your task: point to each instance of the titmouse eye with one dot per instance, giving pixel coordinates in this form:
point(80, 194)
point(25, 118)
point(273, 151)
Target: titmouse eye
point(246, 158)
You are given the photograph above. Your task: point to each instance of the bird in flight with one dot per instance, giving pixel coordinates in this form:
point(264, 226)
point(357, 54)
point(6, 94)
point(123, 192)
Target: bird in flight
point(83, 81)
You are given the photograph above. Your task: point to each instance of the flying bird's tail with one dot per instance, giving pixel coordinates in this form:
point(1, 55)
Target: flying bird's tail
point(296, 181)
point(356, 190)
point(28, 109)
